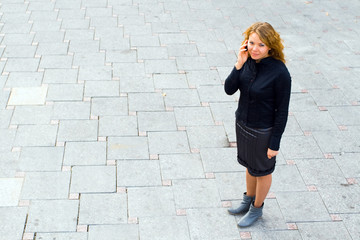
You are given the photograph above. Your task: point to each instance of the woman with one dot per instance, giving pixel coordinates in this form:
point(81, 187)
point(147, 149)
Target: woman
point(264, 83)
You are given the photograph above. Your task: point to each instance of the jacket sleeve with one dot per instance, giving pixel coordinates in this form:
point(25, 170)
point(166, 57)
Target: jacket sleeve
point(232, 82)
point(282, 91)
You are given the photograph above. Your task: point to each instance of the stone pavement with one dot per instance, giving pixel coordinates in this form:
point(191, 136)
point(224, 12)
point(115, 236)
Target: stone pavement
point(114, 123)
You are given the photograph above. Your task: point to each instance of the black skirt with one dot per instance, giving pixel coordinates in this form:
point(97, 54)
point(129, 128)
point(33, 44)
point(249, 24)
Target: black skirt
point(252, 146)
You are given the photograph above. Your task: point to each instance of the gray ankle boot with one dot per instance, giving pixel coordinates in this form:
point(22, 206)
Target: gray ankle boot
point(244, 205)
point(251, 216)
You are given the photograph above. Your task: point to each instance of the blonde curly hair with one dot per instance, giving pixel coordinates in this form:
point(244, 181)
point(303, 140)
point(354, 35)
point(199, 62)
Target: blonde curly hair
point(269, 37)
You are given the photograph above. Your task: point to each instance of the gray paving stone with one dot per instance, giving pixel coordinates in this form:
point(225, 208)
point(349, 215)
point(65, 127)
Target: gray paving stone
point(193, 116)
point(79, 46)
point(223, 111)
point(98, 11)
point(95, 73)
point(78, 130)
point(46, 185)
point(103, 209)
point(144, 41)
point(276, 235)
point(146, 102)
point(41, 159)
point(348, 164)
point(300, 147)
point(170, 81)
point(192, 63)
point(230, 185)
point(43, 15)
point(293, 127)
point(149, 121)
point(121, 56)
point(198, 78)
point(31, 115)
point(341, 198)
point(52, 216)
point(68, 5)
point(207, 136)
point(330, 173)
point(329, 97)
point(118, 126)
point(46, 26)
point(24, 79)
point(75, 24)
point(351, 222)
point(16, 27)
point(143, 200)
point(62, 236)
point(52, 49)
point(211, 94)
point(56, 61)
point(337, 141)
point(168, 142)
point(112, 232)
point(109, 106)
point(323, 230)
point(196, 193)
point(138, 173)
point(85, 153)
point(182, 50)
point(89, 59)
point(128, 69)
point(164, 228)
point(48, 37)
point(127, 148)
point(12, 229)
point(36, 135)
point(137, 30)
point(5, 117)
point(79, 34)
point(294, 204)
point(288, 178)
point(160, 66)
point(71, 110)
point(28, 96)
point(17, 38)
point(302, 103)
point(4, 97)
point(14, 17)
point(181, 166)
point(181, 98)
point(345, 115)
point(212, 223)
point(136, 84)
point(167, 27)
point(83, 181)
point(10, 190)
point(8, 164)
point(65, 92)
point(152, 53)
point(19, 51)
point(220, 160)
point(21, 65)
point(173, 38)
point(102, 88)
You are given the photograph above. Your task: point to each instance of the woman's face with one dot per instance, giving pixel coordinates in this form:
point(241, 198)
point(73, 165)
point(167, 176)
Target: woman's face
point(257, 49)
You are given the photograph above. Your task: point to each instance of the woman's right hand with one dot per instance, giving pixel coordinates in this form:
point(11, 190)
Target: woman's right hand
point(242, 56)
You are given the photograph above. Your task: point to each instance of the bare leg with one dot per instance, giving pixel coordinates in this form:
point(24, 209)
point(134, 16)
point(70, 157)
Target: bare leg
point(263, 185)
point(250, 185)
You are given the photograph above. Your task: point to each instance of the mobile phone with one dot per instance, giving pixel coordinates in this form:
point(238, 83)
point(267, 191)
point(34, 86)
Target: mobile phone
point(246, 48)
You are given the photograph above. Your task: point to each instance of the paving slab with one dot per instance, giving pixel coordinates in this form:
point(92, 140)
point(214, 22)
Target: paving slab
point(62, 236)
point(127, 148)
point(168, 142)
point(28, 96)
point(78, 130)
point(323, 230)
point(10, 191)
point(102, 209)
point(52, 216)
point(143, 200)
point(85, 153)
point(12, 220)
point(113, 232)
point(36, 135)
point(41, 159)
point(133, 173)
point(83, 181)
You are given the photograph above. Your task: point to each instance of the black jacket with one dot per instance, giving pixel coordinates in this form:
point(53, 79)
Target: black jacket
point(264, 95)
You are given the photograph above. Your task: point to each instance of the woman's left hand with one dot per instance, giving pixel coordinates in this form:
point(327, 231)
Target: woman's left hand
point(271, 153)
